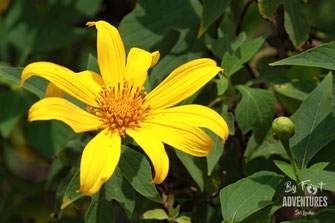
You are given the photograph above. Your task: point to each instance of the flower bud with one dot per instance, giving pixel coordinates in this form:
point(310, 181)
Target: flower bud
point(282, 128)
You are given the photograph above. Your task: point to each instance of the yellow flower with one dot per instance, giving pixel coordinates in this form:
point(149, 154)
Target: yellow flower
point(117, 106)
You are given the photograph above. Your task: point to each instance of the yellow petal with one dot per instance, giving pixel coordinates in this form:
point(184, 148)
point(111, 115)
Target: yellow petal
point(111, 52)
point(138, 63)
point(155, 150)
point(155, 57)
point(63, 110)
point(54, 91)
point(99, 160)
point(85, 86)
point(182, 83)
point(189, 139)
point(195, 115)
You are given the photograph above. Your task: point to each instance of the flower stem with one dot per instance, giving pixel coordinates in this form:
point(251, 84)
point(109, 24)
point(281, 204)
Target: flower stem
point(286, 145)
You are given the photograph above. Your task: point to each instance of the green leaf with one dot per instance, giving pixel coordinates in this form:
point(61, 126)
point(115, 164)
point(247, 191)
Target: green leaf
point(216, 152)
point(264, 215)
point(101, 207)
point(296, 89)
point(315, 177)
point(92, 64)
point(227, 39)
point(71, 153)
point(196, 167)
point(267, 8)
point(321, 56)
point(319, 166)
point(34, 84)
point(313, 123)
point(299, 221)
point(48, 137)
point(158, 214)
point(265, 148)
point(221, 84)
point(255, 111)
point(232, 63)
point(16, 104)
point(120, 190)
point(144, 26)
point(183, 219)
point(248, 195)
point(187, 48)
point(212, 9)
point(116, 188)
point(28, 23)
point(285, 168)
point(137, 170)
point(296, 22)
point(71, 193)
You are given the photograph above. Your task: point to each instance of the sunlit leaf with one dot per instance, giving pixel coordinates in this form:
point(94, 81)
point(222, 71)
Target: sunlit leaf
point(313, 123)
point(248, 195)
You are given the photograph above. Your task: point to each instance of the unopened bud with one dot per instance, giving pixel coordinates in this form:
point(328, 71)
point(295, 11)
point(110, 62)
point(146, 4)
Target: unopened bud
point(282, 128)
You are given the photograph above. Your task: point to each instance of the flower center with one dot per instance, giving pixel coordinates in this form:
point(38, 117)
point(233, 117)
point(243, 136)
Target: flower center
point(121, 107)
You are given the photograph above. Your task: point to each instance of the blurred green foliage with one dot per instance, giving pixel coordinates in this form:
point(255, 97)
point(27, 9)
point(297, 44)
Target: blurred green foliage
point(273, 67)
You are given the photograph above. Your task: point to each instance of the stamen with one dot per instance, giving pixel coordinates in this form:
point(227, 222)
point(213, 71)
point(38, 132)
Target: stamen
point(122, 108)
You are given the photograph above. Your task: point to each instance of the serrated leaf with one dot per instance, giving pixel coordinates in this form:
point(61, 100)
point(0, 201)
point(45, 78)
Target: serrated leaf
point(315, 177)
point(137, 170)
point(196, 167)
point(296, 22)
point(321, 56)
point(34, 84)
point(232, 63)
point(285, 168)
point(211, 10)
point(255, 111)
point(158, 214)
point(314, 123)
point(248, 195)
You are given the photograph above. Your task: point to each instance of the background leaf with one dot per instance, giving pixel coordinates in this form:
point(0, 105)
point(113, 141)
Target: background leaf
point(313, 123)
point(137, 170)
point(246, 196)
point(212, 9)
point(196, 167)
point(320, 56)
point(297, 23)
point(255, 111)
point(34, 84)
